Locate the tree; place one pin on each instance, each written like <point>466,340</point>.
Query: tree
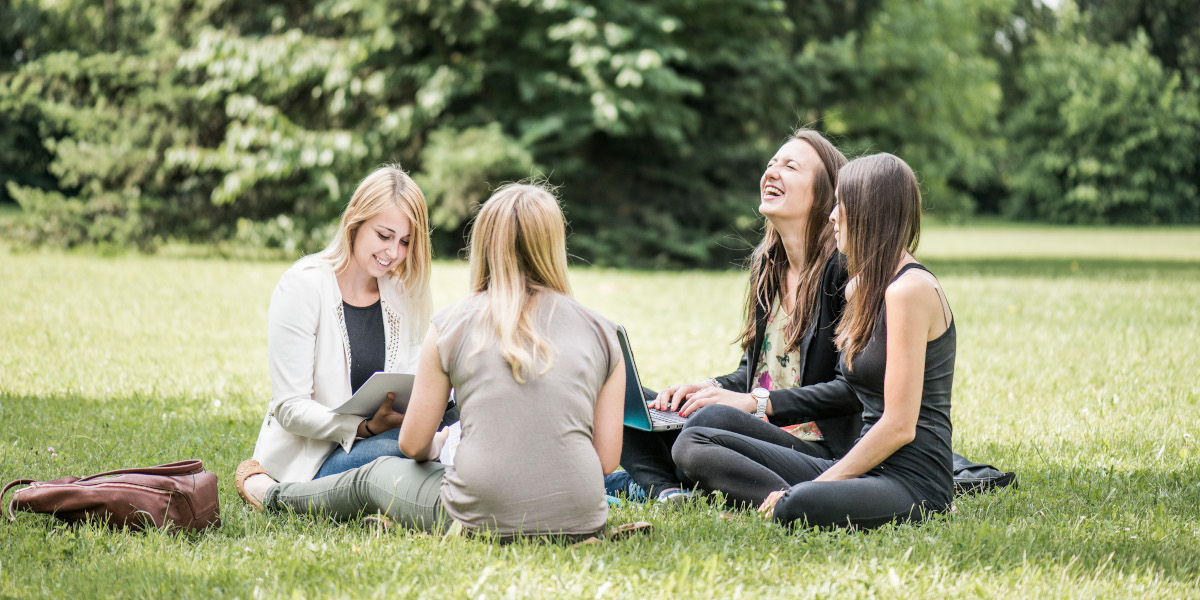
<point>916,81</point>
<point>1104,134</point>
<point>1171,27</point>
<point>200,120</point>
<point>23,160</point>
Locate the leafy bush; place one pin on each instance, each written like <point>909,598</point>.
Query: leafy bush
<point>1104,135</point>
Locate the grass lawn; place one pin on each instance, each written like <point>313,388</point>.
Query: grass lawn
<point>1078,358</point>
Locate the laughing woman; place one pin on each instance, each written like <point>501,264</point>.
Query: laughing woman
<point>336,317</point>
<point>897,349</point>
<point>789,363</point>
<point>540,385</point>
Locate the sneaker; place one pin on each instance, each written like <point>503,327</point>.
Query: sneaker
<point>676,496</point>
<point>621,483</point>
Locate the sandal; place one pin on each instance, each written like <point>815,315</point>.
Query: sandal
<point>629,530</point>
<point>247,469</point>
<point>618,533</point>
<point>379,524</point>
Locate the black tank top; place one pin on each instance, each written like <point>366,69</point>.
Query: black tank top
<point>924,464</point>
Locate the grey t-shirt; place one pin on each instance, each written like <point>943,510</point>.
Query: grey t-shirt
<point>526,464</point>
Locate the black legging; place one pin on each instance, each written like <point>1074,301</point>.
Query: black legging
<point>647,454</point>
<point>743,460</point>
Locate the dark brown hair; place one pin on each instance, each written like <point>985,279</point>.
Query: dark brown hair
<point>881,215</point>
<point>769,263</point>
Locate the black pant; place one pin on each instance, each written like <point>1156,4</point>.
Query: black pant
<point>647,454</point>
<point>647,457</point>
<point>745,460</point>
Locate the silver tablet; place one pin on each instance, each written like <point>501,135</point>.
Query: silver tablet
<point>371,395</point>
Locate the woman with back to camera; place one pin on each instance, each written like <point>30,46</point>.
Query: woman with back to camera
<point>336,317</point>
<point>793,303</point>
<point>539,381</point>
<point>897,342</point>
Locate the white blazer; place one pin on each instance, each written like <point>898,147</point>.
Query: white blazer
<point>309,354</point>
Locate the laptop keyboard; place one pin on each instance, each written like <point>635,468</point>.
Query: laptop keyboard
<point>662,416</point>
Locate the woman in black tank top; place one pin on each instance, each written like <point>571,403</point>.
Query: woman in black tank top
<point>897,347</point>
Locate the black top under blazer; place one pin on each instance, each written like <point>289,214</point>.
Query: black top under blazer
<point>824,396</point>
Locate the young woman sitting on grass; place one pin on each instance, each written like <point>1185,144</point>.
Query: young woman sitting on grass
<point>897,343</point>
<point>794,301</point>
<point>539,381</point>
<point>336,317</point>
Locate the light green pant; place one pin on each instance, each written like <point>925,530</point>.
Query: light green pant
<point>404,490</point>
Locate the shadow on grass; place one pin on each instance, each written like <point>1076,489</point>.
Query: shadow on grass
<point>1063,267</point>
<point>1090,518</point>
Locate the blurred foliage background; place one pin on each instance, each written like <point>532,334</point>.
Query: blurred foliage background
<point>131,123</point>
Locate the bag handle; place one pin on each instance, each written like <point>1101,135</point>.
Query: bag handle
<point>11,516</point>
<point>182,467</point>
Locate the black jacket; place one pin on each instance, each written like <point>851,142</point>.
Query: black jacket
<point>825,397</point>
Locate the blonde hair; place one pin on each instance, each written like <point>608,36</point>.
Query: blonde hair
<point>518,249</point>
<point>385,187</point>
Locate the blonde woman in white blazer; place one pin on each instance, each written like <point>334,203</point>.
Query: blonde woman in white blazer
<point>361,305</point>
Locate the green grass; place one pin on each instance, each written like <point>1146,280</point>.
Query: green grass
<point>1077,367</point>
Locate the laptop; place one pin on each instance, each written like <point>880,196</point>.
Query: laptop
<point>637,414</point>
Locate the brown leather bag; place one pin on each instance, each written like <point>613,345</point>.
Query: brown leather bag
<point>180,495</point>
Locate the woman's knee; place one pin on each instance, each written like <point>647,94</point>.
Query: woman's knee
<point>689,446</point>
<point>713,415</point>
<point>382,468</point>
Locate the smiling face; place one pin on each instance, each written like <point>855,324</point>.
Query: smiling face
<point>381,242</point>
<point>786,187</point>
<point>838,217</point>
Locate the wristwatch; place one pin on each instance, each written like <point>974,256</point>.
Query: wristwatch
<point>760,395</point>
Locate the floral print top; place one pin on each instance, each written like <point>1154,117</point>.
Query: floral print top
<point>779,370</point>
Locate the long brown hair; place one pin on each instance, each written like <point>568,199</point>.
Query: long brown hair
<point>881,214</point>
<point>518,248</point>
<point>769,263</point>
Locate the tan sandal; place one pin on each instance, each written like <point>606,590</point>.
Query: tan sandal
<point>246,470</point>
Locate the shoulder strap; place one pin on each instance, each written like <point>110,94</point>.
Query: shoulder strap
<point>938,287</point>
<point>182,467</point>
<point>905,269</point>
<point>11,515</point>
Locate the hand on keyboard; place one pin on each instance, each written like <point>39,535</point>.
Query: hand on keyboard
<point>663,416</point>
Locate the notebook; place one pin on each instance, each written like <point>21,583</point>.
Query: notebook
<point>638,414</point>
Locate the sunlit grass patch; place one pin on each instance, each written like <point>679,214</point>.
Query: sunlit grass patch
<point>1082,378</point>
